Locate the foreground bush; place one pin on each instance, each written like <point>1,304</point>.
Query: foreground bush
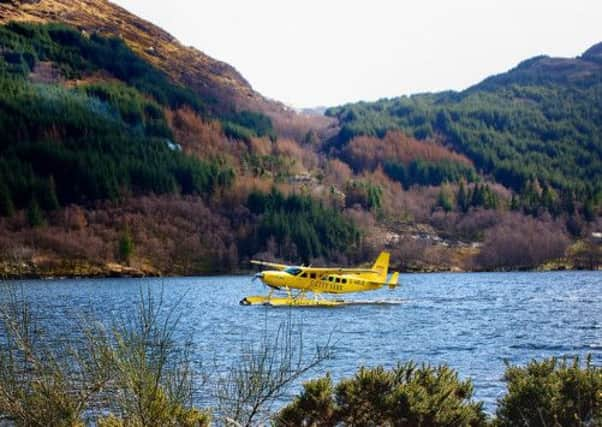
<point>404,396</point>
<point>133,371</point>
<point>552,393</point>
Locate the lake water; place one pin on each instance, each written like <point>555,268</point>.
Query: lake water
<point>473,322</point>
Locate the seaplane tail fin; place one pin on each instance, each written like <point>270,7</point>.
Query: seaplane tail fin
<point>393,280</point>
<point>381,266</point>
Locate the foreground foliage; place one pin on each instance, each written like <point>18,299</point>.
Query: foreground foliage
<point>136,371</point>
<point>407,395</point>
<point>133,370</point>
<point>552,392</point>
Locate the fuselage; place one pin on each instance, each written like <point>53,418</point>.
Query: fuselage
<point>298,278</point>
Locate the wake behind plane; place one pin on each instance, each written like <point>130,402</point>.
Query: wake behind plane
<point>297,281</point>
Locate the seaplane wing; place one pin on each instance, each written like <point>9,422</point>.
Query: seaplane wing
<point>273,265</point>
<point>317,270</point>
<point>337,270</point>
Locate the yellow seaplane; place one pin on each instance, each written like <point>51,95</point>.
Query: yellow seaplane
<point>318,281</point>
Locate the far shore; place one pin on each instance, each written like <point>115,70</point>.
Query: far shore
<point>83,270</point>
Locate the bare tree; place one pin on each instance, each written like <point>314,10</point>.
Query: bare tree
<point>263,374</point>
<point>154,378</point>
<point>136,371</point>
<point>43,382</point>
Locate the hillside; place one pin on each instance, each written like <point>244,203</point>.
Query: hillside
<point>87,122</point>
<point>533,133</point>
<point>541,121</point>
<point>219,84</point>
<point>124,152</point>
<point>212,79</point>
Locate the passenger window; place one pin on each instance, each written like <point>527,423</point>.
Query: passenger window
<point>330,278</point>
<point>344,281</point>
<point>312,275</point>
<point>338,280</point>
<point>304,275</point>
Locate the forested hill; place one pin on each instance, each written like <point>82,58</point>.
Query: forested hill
<point>106,157</point>
<point>539,121</point>
<point>124,152</point>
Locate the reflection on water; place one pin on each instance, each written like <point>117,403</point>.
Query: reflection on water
<point>473,322</point>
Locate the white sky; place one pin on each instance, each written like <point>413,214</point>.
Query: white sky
<point>327,52</point>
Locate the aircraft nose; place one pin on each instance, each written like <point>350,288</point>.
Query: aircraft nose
<point>271,278</point>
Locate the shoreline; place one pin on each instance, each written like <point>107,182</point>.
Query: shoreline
<point>80,270</point>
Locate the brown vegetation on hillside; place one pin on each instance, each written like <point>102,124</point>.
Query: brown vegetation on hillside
<point>310,129</point>
<point>176,235</point>
<point>519,241</point>
<point>201,137</point>
<point>211,79</point>
<point>365,152</point>
<point>401,193</point>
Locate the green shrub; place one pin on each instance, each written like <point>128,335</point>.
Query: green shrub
<point>35,216</point>
<point>404,396</point>
<point>364,193</point>
<point>552,392</point>
<point>126,246</point>
<point>315,406</point>
<point>7,208</point>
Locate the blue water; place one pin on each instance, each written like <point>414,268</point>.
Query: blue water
<point>473,322</point>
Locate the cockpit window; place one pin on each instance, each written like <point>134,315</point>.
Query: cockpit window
<point>293,271</point>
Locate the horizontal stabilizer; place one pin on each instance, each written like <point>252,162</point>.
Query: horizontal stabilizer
<point>393,280</point>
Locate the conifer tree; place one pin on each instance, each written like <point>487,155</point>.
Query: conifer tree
<point>126,246</point>
<point>35,216</point>
<point>462,197</point>
<point>7,208</point>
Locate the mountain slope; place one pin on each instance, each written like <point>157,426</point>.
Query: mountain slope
<point>87,122</point>
<point>539,121</point>
<point>213,80</point>
<point>581,71</point>
<point>119,145</point>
